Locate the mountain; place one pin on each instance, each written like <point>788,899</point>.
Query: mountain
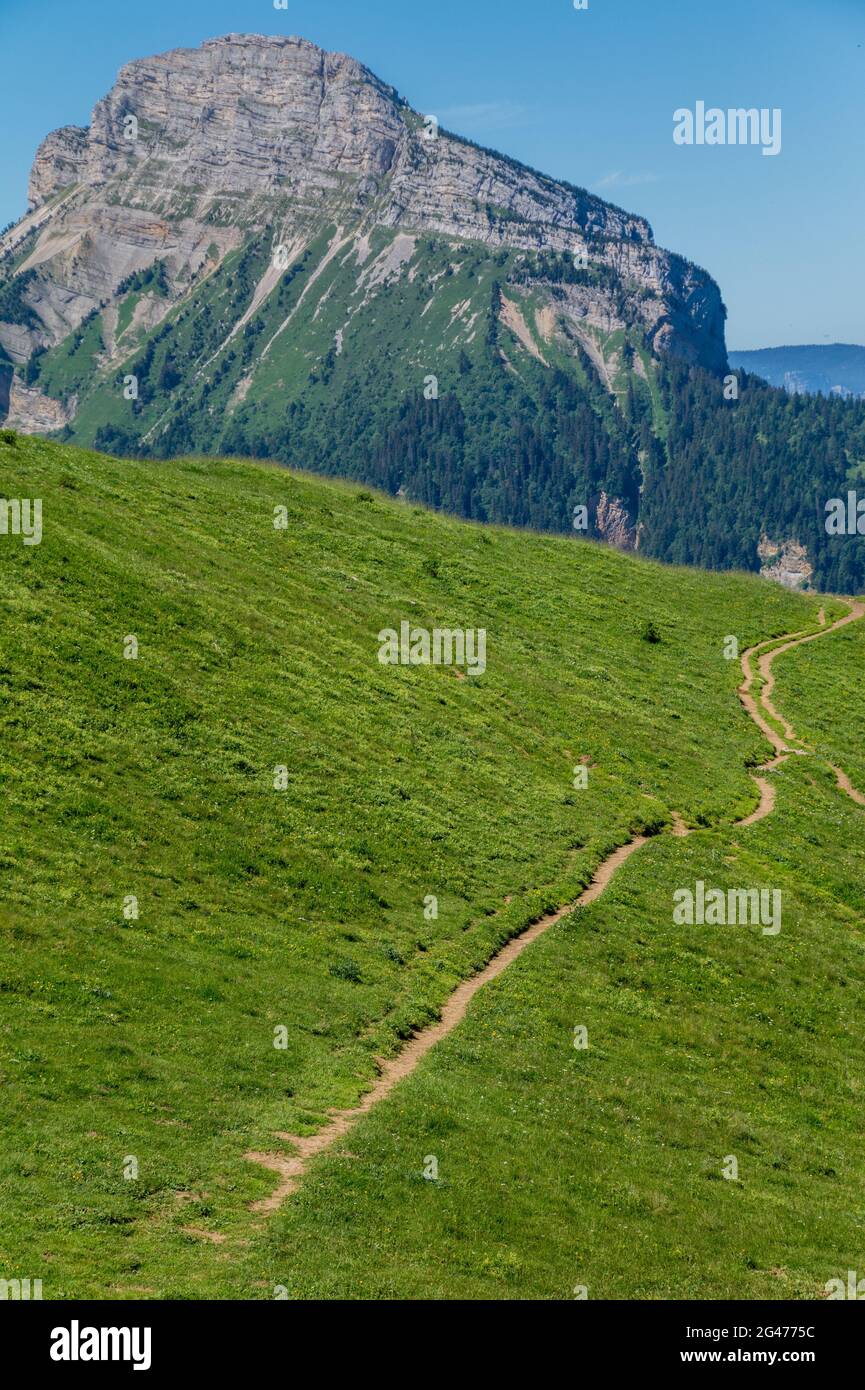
<point>224,838</point>
<point>258,248</point>
<point>837,369</point>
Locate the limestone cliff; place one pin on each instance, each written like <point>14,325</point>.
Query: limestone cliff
<point>201,146</point>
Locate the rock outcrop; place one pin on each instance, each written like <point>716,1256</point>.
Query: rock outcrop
<point>614,523</point>
<point>32,412</point>
<point>60,161</point>
<point>786,562</point>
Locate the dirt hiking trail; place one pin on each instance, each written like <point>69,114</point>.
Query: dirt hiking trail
<point>758,712</point>
<point>290,1168</point>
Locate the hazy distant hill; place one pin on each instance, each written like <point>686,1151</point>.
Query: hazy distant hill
<point>837,369</point>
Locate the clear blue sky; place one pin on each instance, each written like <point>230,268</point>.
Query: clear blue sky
<point>587,96</point>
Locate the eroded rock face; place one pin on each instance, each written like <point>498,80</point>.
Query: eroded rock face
<point>241,114</point>
<point>246,132</point>
<point>786,562</point>
<point>18,341</point>
<point>60,160</point>
<point>614,523</point>
<point>31,412</point>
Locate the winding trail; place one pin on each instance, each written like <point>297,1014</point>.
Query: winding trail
<point>758,712</point>
<point>290,1168</point>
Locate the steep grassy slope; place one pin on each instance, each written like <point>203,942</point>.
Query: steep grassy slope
<point>604,1168</point>
<point>417,364</point>
<point>151,1037</point>
<point>826,690</point>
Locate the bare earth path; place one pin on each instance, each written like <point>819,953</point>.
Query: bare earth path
<point>291,1167</point>
<point>781,743</point>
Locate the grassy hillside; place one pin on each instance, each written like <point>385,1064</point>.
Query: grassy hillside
<point>604,1168</point>
<point>150,1037</point>
<point>823,685</point>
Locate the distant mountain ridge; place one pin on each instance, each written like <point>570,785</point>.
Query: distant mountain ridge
<point>828,369</point>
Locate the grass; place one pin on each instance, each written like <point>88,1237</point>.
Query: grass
<point>151,1036</point>
<point>62,372</point>
<point>822,684</point>
<point>126,311</point>
<point>603,1168</point>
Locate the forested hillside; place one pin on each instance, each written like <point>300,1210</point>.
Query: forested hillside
<point>455,386</point>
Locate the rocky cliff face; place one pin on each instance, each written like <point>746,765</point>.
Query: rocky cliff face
<point>32,412</point>
<point>614,524</point>
<point>60,161</point>
<point>203,145</point>
<point>786,562</point>
<point>241,114</point>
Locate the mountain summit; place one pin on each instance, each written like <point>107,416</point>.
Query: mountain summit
<point>201,146</point>
<point>257,247</point>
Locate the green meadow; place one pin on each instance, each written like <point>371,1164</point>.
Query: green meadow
<point>603,1169</point>
<point>234,835</point>
<point>820,689</point>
